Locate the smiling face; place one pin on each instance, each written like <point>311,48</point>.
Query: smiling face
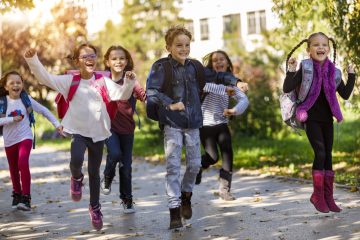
<point>180,48</point>
<point>86,62</point>
<point>219,62</point>
<point>117,61</point>
<point>318,48</point>
<point>14,85</point>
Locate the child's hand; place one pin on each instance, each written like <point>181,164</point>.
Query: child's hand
<point>18,118</point>
<point>30,53</point>
<point>179,106</point>
<point>230,91</point>
<point>229,112</point>
<point>292,64</point>
<point>350,69</point>
<point>244,87</point>
<point>60,130</point>
<point>130,75</point>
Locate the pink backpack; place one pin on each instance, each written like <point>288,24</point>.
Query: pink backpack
<point>63,104</point>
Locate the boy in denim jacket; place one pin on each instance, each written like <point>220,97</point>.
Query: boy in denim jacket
<point>180,114</point>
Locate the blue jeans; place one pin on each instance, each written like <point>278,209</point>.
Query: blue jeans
<point>174,140</point>
<point>119,148</point>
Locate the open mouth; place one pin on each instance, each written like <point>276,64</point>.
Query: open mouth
<point>16,90</point>
<point>320,53</point>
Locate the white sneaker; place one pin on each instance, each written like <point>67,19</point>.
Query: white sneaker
<point>105,185</point>
<point>128,206</point>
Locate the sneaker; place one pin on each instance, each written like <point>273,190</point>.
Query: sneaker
<point>96,217</point>
<point>128,205</point>
<point>25,203</point>
<point>186,211</point>
<point>106,185</point>
<point>76,188</point>
<point>198,177</point>
<point>16,199</point>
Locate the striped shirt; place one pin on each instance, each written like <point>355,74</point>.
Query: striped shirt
<point>214,105</point>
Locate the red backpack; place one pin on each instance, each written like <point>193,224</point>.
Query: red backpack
<point>63,104</point>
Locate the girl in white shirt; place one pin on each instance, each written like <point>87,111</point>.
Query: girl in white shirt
<point>86,119</point>
<point>18,136</point>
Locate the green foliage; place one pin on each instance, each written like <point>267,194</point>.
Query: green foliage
<point>339,19</point>
<point>142,30</point>
<point>8,5</point>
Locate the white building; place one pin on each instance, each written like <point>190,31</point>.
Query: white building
<point>214,24</point>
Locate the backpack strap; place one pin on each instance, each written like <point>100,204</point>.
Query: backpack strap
<point>307,78</point>
<point>73,87</point>
<point>338,78</point>
<point>200,74</point>
<point>3,106</point>
<point>168,76</point>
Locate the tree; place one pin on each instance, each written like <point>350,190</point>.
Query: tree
<point>53,41</point>
<point>337,18</point>
<point>8,5</point>
<point>142,30</point>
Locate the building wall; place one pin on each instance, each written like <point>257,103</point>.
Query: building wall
<point>214,11</point>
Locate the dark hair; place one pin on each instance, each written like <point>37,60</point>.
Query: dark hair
<point>207,60</point>
<point>4,79</point>
<point>174,31</point>
<point>76,52</point>
<point>308,42</point>
<point>130,64</point>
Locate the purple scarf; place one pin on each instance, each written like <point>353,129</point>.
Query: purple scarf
<point>323,76</point>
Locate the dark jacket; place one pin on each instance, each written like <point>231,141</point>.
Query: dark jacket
<point>185,89</point>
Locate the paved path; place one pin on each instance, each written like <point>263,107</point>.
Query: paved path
<point>266,208</point>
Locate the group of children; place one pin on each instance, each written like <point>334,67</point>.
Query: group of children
<point>192,109</point>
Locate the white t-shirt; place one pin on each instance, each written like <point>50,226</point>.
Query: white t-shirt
<point>15,132</point>
<point>87,114</point>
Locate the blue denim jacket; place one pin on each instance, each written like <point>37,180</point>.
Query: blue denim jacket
<point>185,89</point>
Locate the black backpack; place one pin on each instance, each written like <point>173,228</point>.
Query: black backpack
<point>152,108</point>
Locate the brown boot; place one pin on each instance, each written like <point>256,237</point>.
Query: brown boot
<point>175,219</point>
<point>225,186</point>
<point>186,211</point>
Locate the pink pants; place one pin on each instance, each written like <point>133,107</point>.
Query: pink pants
<point>18,159</point>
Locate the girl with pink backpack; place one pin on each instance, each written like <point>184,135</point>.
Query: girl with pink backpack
<point>86,119</point>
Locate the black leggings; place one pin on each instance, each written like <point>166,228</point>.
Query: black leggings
<point>211,137</point>
<point>79,144</point>
<point>321,138</point>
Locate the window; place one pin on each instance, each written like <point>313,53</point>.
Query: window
<point>232,26</point>
<point>262,21</point>
<point>204,29</point>
<point>251,22</point>
<point>189,25</point>
<point>256,22</point>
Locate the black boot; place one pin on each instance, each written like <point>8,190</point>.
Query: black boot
<point>198,177</point>
<point>225,185</point>
<point>186,211</point>
<point>175,219</point>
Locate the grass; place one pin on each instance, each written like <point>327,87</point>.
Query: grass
<point>289,155</point>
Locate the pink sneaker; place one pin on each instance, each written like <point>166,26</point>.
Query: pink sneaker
<point>76,188</point>
<point>96,217</point>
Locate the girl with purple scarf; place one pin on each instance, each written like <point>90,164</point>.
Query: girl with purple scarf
<point>317,112</point>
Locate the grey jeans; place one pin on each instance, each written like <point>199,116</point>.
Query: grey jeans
<point>174,139</point>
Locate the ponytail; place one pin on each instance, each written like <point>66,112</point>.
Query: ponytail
<point>293,50</point>
<point>334,46</point>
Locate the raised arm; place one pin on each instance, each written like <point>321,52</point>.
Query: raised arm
<point>59,83</point>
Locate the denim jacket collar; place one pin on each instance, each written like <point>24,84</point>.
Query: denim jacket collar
<point>176,63</point>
